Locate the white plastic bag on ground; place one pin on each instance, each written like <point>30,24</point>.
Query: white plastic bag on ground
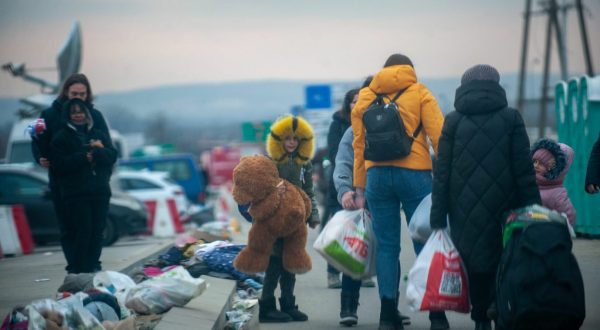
<point>157,295</point>
<point>348,243</point>
<point>117,284</point>
<point>438,279</point>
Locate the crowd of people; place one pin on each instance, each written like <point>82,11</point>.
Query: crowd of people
<point>482,166</point>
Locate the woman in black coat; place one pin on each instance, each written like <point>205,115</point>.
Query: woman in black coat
<point>82,159</point>
<point>483,169</point>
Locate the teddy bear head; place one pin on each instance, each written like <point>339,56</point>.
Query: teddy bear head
<point>254,178</point>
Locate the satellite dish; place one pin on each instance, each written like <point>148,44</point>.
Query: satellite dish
<point>69,55</point>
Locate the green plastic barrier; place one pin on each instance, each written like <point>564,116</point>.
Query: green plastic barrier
<point>575,140</point>
<point>563,117</point>
<point>588,218</point>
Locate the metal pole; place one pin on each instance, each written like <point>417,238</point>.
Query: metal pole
<point>523,68</point>
<point>562,53</point>
<point>584,39</point>
<point>544,101</point>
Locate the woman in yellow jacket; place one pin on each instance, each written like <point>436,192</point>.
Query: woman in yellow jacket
<point>390,185</point>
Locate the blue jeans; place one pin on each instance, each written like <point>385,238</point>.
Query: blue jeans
<point>388,189</point>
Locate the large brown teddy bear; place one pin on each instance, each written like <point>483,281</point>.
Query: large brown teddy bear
<point>277,212</point>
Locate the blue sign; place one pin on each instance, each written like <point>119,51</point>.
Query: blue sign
<point>318,96</point>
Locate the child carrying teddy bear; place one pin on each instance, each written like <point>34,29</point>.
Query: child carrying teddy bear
<point>291,146</point>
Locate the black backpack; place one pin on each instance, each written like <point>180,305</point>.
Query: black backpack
<point>539,284</point>
<point>386,137</point>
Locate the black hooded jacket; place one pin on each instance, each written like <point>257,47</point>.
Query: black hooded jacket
<point>76,176</point>
<point>337,128</point>
<point>482,170</point>
<point>54,123</point>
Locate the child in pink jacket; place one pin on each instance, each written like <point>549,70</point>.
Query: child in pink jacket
<point>551,161</point>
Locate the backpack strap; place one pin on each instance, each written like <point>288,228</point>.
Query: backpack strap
<point>418,130</point>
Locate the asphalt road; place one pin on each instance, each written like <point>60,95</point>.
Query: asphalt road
<point>322,304</point>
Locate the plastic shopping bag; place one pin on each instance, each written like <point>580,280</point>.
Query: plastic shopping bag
<point>157,295</point>
<point>348,243</point>
<point>438,279</point>
<point>419,226</point>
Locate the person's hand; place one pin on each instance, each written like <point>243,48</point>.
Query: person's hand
<point>359,198</point>
<point>592,188</point>
<point>348,200</point>
<point>44,162</point>
<point>89,156</point>
<point>96,144</point>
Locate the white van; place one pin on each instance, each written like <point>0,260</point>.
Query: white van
<point>18,149</point>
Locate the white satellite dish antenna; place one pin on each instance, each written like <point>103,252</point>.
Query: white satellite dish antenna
<point>68,60</point>
<point>67,63</point>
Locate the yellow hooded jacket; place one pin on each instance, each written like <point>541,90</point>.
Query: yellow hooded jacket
<point>295,167</point>
<point>416,105</point>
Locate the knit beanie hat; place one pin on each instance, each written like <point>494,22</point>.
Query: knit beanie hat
<point>544,156</point>
<point>480,72</point>
<point>398,59</point>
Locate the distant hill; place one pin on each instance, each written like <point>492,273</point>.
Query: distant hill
<point>220,103</point>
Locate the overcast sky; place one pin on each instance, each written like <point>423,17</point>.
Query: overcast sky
<point>135,44</point>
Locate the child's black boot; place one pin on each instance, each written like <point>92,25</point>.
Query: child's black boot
<point>268,313</point>
<point>349,302</point>
<point>288,306</point>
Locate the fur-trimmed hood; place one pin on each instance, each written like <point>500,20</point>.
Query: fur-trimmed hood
<point>296,126</point>
<point>563,155</point>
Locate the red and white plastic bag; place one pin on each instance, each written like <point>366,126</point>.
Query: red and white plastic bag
<point>438,279</point>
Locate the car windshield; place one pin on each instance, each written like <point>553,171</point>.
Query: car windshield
<point>21,152</point>
<point>178,169</point>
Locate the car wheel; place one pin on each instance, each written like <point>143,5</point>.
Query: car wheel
<point>111,234</point>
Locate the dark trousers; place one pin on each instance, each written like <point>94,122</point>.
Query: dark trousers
<point>350,285</point>
<point>277,274</point>
<point>481,292</point>
<point>60,211</point>
<point>84,225</point>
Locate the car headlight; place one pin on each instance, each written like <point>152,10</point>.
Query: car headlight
<point>131,204</point>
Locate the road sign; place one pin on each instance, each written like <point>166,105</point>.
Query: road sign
<point>317,96</point>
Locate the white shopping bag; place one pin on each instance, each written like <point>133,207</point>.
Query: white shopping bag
<point>438,279</point>
<point>419,226</point>
<point>348,243</point>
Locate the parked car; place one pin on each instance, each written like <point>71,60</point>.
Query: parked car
<point>151,186</point>
<point>181,168</point>
<point>23,184</point>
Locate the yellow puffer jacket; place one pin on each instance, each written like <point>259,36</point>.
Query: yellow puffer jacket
<point>415,105</point>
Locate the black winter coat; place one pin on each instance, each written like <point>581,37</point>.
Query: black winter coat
<point>54,123</point>
<point>482,170</point>
<point>337,128</point>
<point>76,176</point>
<point>593,169</point>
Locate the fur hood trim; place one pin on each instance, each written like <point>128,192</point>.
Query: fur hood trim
<point>558,153</point>
<point>291,126</point>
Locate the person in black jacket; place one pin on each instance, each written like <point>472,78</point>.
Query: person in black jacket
<point>592,177</point>
<point>82,160</point>
<point>76,86</point>
<point>482,170</point>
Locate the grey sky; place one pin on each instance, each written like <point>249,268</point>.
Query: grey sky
<point>136,44</point>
